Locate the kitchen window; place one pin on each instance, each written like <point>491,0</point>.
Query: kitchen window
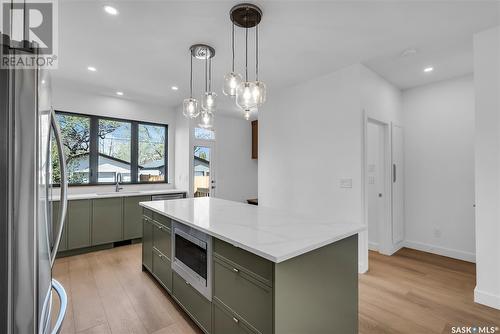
<point>99,148</point>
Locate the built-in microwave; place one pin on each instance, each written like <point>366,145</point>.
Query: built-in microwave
<point>192,254</point>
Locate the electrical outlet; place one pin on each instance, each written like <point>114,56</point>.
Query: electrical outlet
<point>346,183</point>
<point>437,232</point>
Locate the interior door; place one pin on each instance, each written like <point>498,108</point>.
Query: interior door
<point>203,176</point>
<point>397,184</point>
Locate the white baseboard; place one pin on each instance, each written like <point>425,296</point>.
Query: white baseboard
<point>373,246</point>
<point>453,253</point>
<point>486,298</point>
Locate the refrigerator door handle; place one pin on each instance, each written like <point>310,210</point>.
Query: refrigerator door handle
<point>63,298</point>
<point>64,186</point>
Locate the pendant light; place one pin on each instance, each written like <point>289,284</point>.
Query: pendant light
<point>208,100</point>
<point>249,94</point>
<point>231,79</point>
<point>191,107</point>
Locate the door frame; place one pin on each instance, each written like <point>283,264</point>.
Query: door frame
<point>385,246</point>
<point>212,184</point>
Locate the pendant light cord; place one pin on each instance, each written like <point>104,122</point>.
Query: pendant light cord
<point>246,54</point>
<point>191,77</point>
<point>257,53</point>
<point>232,46</point>
<point>210,75</point>
<point>206,69</point>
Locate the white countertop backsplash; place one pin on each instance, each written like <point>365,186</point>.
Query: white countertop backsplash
<point>276,235</point>
<point>108,191</point>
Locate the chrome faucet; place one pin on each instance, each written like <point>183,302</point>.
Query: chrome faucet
<point>119,179</point>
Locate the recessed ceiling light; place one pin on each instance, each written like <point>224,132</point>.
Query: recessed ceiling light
<point>91,68</point>
<point>175,88</point>
<point>119,93</point>
<point>111,10</point>
<point>43,82</point>
<point>428,69</point>
<point>409,52</point>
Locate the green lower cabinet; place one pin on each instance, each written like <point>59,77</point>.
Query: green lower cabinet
<point>226,322</point>
<point>162,239</point>
<point>162,269</point>
<point>63,245</point>
<point>107,224</point>
<point>147,243</point>
<point>196,305</point>
<point>246,296</point>
<point>132,217</point>
<point>79,224</point>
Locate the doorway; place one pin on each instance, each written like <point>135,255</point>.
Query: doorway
<point>376,171</point>
<point>384,192</point>
<point>203,167</point>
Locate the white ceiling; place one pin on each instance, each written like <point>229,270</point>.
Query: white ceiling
<point>144,50</point>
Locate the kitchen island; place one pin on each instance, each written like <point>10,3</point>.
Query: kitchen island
<point>269,271</point>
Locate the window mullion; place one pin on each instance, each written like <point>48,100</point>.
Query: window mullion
<point>94,149</point>
<point>134,147</point>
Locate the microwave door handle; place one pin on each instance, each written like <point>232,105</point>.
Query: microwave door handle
<point>63,298</point>
<point>64,186</point>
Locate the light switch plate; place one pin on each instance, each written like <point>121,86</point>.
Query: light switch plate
<point>346,183</point>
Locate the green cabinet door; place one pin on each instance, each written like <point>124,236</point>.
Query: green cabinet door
<point>147,243</point>
<point>107,223</point>
<point>79,223</point>
<point>132,216</point>
<point>63,245</point>
<point>196,305</point>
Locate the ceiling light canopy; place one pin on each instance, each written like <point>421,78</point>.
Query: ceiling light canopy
<point>428,69</point>
<point>175,88</point>
<point>91,68</point>
<point>191,107</point>
<point>250,95</point>
<point>111,10</point>
<point>119,93</point>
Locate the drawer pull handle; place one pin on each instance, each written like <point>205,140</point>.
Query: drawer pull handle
<point>187,283</point>
<point>235,320</point>
<point>236,270</point>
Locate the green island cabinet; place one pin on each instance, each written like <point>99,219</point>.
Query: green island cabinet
<point>97,223</point>
<point>252,295</point>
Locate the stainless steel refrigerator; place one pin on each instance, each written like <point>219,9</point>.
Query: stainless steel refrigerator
<point>28,243</point>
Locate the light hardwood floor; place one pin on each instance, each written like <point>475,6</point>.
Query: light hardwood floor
<point>410,292</point>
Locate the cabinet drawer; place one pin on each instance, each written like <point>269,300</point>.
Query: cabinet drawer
<point>165,221</point>
<point>162,239</point>
<point>147,213</point>
<point>226,322</point>
<point>162,270</point>
<point>257,265</point>
<point>248,297</point>
<point>197,306</point>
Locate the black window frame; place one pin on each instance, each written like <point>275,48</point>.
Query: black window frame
<point>134,149</point>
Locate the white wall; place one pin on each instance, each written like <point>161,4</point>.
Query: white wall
<point>439,166</point>
<point>487,163</point>
<point>73,97</point>
<point>311,136</point>
<point>236,172</point>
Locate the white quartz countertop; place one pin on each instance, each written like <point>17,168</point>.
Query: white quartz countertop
<point>122,193</point>
<point>272,234</point>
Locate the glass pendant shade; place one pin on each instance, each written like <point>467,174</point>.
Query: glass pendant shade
<point>259,93</point>
<point>231,82</point>
<point>190,108</point>
<point>208,101</point>
<point>244,95</point>
<point>206,120</point>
